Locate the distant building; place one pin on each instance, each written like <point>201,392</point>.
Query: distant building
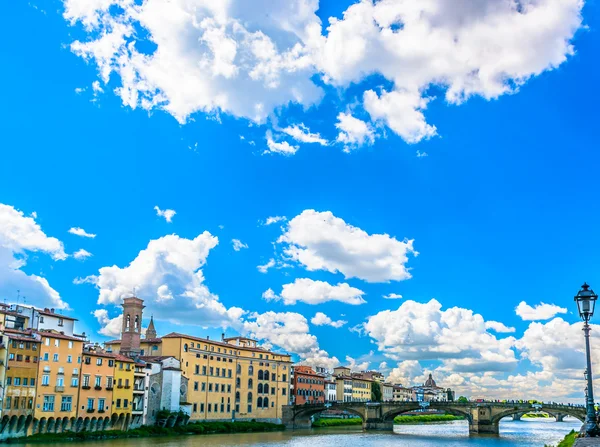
<point>309,386</point>
<point>402,394</point>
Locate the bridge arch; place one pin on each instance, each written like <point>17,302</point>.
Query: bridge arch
<point>390,415</point>
<point>551,411</point>
<point>303,413</point>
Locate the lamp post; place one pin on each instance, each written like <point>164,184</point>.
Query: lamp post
<point>586,301</point>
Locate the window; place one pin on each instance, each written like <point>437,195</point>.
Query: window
<point>284,378</point>
<point>185,348</point>
<point>41,319</point>
<point>45,380</point>
<point>99,361</point>
<point>25,380</point>
<point>55,358</point>
<point>266,402</point>
<point>90,404</point>
<point>250,370</point>
<point>259,402</point>
<point>211,371</point>
<point>60,322</point>
<point>283,391</point>
<point>118,403</point>
<point>66,403</point>
<point>203,386</point>
<point>101,404</point>
<point>111,363</point>
<point>125,403</point>
<point>250,383</point>
<point>86,380</point>
<point>201,408</point>
<point>70,345</point>
<point>60,381</point>
<point>109,382</point>
<point>237,382</point>
<point>69,359</point>
<point>98,381</point>
<point>204,370</point>
<point>210,387</point>
<point>17,381</point>
<point>8,402</point>
<point>46,340</point>
<point>46,356</point>
<point>56,342</point>
<point>16,403</point>
<point>32,382</point>
<point>75,381</point>
<point>48,403</point>
<point>11,356</point>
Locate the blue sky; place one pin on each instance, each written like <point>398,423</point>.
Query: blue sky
<point>502,209</point>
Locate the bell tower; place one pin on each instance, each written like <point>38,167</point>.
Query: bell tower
<point>132,326</point>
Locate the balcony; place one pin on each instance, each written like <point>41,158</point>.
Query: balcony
<point>138,389</point>
<point>109,388</point>
<point>85,387</point>
<point>127,387</point>
<point>90,410</point>
<point>97,388</point>
<point>59,389</point>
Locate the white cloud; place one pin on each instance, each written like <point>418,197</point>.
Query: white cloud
<point>422,154</point>
<point>283,147</point>
<point>167,214</point>
<point>20,236</point>
<point>274,219</point>
<point>300,132</point>
<point>402,112</point>
<point>405,373</point>
<point>81,232</point>
<point>320,319</point>
<point>540,311</point>
<point>392,296</point>
<point>498,327</point>
<point>458,337</point>
<point>353,132</point>
<point>110,327</point>
<point>269,295</point>
<point>81,254</point>
<point>168,275</point>
<point>208,52</point>
<point>321,241</point>
<point>238,245</point>
<point>355,365</point>
<point>317,292</point>
<point>265,267</point>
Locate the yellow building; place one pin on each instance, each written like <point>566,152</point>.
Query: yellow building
<point>58,378</point>
<point>96,389</point>
<point>122,396</point>
<point>231,378</point>
<point>361,389</point>
<point>21,377</point>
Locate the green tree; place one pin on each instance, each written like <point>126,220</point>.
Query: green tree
<point>463,399</point>
<point>376,395</point>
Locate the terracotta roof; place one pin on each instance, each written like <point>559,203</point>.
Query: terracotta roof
<point>100,354</point>
<point>220,343</point>
<point>156,358</point>
<point>122,358</point>
<point>54,314</point>
<point>51,334</point>
<point>143,340</point>
<point>14,334</point>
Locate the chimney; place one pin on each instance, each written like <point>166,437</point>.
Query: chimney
<point>222,336</point>
<point>208,337</point>
<point>52,310</point>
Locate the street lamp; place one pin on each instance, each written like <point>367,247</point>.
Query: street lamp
<point>586,301</point>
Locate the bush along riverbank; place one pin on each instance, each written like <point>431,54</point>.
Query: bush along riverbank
<point>336,422</point>
<point>194,428</point>
<point>568,441</point>
<point>426,418</point>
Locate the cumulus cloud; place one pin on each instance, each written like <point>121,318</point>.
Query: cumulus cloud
<point>274,219</point>
<point>357,365</point>
<point>167,214</point>
<point>20,236</point>
<point>81,254</point>
<point>282,147</point>
<point>392,296</point>
<point>540,311</point>
<point>458,337</point>
<point>238,245</point>
<point>168,275</point>
<point>207,52</point>
<point>322,241</point>
<point>77,231</point>
<point>301,133</point>
<point>110,327</point>
<point>405,373</point>
<point>498,327</point>
<point>353,132</point>
<point>316,292</point>
<point>265,267</point>
<point>320,319</point>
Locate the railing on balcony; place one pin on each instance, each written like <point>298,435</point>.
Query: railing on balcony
<point>59,388</point>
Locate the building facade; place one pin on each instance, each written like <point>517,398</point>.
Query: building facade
<point>309,386</point>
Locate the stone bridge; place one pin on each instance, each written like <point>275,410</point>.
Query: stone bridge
<point>483,417</point>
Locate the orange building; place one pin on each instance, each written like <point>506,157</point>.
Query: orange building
<point>308,386</point>
<point>96,389</point>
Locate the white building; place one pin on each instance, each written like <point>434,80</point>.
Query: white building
<point>46,319</point>
<point>330,391</point>
<point>387,392</point>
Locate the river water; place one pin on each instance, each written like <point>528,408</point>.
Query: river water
<point>531,433</point>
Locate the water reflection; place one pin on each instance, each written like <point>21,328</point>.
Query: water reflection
<point>533,433</point>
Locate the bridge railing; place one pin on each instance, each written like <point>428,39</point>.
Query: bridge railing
<point>550,405</point>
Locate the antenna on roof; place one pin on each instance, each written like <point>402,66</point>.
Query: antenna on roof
<point>18,296</point>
